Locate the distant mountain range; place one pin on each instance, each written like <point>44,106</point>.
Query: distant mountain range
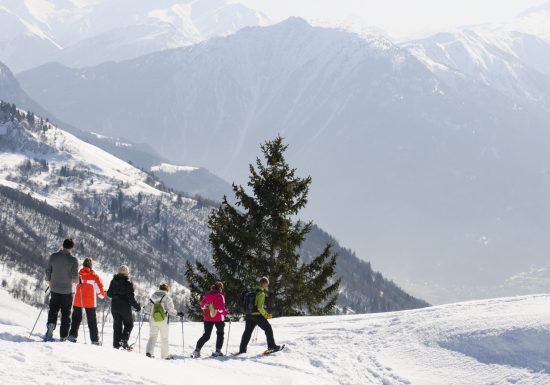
<point>88,32</point>
<point>430,157</point>
<point>431,169</point>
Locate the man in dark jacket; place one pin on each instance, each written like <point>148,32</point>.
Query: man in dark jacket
<point>61,273</point>
<point>121,290</point>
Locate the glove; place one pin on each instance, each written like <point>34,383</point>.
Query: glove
<point>138,308</point>
<point>180,314</point>
<point>269,316</point>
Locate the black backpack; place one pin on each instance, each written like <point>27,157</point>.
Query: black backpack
<point>248,301</point>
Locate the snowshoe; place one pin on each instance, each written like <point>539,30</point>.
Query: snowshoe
<point>237,354</point>
<point>71,339</point>
<point>49,333</point>
<point>124,345</point>
<point>149,355</point>
<point>217,354</point>
<point>196,354</point>
<point>274,350</point>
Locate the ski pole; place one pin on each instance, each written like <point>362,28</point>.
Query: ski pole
<point>39,314</point>
<point>103,321</point>
<point>139,333</point>
<point>138,338</point>
<point>228,335</point>
<point>182,339</point>
<point>255,339</point>
<point>82,310</point>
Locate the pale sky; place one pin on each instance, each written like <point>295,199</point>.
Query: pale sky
<point>399,18</point>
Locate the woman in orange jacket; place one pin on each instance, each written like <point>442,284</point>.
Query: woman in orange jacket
<point>89,286</point>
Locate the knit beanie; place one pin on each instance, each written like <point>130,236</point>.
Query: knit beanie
<point>124,270</point>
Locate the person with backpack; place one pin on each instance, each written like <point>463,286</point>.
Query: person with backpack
<point>121,291</point>
<point>61,274</point>
<point>86,298</point>
<point>256,315</point>
<point>160,307</point>
<point>214,312</point>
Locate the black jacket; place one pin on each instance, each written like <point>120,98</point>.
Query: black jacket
<point>121,290</point>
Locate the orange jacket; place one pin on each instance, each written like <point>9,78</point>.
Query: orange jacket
<point>90,285</point>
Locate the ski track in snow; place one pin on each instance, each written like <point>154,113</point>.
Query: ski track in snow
<point>499,342</point>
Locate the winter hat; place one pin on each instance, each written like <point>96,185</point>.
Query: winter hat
<point>164,287</point>
<point>124,270</point>
<point>88,262</point>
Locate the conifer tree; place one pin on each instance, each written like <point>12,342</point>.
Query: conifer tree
<point>259,236</point>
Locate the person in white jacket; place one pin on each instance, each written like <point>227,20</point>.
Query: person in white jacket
<point>157,324</point>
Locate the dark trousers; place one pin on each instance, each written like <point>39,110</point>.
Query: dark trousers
<point>208,326</point>
<point>251,322</point>
<point>123,323</point>
<point>92,323</point>
<point>64,303</point>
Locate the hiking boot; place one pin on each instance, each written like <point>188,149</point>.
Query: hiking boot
<point>71,338</point>
<point>49,332</point>
<point>170,357</point>
<point>149,355</point>
<point>95,343</point>
<point>217,353</point>
<point>196,354</point>
<point>124,345</point>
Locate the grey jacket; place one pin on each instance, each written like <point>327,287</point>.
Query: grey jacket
<point>167,303</point>
<point>61,272</point>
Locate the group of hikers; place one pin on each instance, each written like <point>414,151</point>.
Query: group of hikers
<point>72,292</point>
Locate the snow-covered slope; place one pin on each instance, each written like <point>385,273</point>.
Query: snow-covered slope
<point>500,342</point>
<point>60,149</point>
<point>81,33</point>
<point>195,180</point>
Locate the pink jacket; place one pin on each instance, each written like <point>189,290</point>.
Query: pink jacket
<point>217,298</point>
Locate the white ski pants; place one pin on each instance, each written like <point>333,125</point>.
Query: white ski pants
<point>154,329</point>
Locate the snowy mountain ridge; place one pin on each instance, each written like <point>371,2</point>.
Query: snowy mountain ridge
<point>497,341</point>
<point>81,33</point>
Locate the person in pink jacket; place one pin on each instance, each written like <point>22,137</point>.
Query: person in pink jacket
<point>213,307</point>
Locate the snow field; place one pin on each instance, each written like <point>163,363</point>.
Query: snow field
<point>499,341</point>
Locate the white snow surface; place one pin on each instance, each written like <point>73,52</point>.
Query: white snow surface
<point>497,341</point>
<point>172,168</point>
